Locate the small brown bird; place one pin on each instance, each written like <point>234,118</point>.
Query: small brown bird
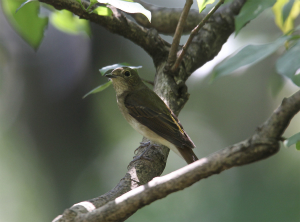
<point>149,115</point>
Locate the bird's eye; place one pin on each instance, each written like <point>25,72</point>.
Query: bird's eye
<point>127,73</point>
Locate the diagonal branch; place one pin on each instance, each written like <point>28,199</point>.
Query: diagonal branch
<point>208,42</point>
<point>192,35</point>
<point>263,144</point>
<point>165,20</point>
<point>176,40</point>
<point>148,39</point>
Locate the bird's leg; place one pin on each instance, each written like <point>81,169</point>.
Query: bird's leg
<point>143,144</point>
<point>141,156</point>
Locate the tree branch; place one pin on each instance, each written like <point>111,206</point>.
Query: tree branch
<point>176,40</point>
<point>148,39</point>
<point>165,20</point>
<point>192,35</point>
<point>210,39</point>
<point>263,144</point>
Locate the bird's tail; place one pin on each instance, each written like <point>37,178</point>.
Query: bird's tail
<point>188,155</point>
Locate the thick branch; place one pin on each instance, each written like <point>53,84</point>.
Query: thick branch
<point>210,39</point>
<point>193,33</point>
<point>207,43</point>
<point>165,20</point>
<point>149,40</point>
<point>263,144</point>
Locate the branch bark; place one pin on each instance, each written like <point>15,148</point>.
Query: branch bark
<point>119,24</point>
<point>193,33</point>
<point>165,20</point>
<point>178,32</point>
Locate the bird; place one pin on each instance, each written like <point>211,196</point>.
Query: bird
<point>147,113</point>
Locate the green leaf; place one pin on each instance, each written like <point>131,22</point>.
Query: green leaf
<point>288,64</point>
<point>92,2</point>
<point>65,21</point>
<point>203,3</point>
<point>294,37</point>
<point>286,10</point>
<point>106,70</point>
<point>250,10</point>
<point>24,3</point>
<point>103,11</point>
<point>79,1</point>
<point>129,7</point>
<point>110,68</point>
<point>98,89</point>
<point>275,84</point>
<point>26,22</point>
<point>248,55</point>
<point>295,139</point>
<point>283,19</point>
<point>298,145</point>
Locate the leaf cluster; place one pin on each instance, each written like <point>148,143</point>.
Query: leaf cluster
<point>30,25</point>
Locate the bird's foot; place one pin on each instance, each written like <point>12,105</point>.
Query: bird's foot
<point>141,156</point>
<point>142,144</point>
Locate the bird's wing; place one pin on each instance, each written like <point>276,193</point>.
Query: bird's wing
<point>152,112</point>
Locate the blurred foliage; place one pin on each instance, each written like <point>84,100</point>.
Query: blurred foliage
<point>293,140</point>
<point>103,11</point>
<point>288,64</point>
<point>31,26</point>
<point>98,89</point>
<point>286,11</point>
<point>250,11</point>
<point>203,3</point>
<point>128,6</point>
<point>26,21</point>
<point>247,56</point>
<point>65,21</point>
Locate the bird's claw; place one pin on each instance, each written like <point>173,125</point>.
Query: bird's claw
<point>141,157</point>
<point>142,144</point>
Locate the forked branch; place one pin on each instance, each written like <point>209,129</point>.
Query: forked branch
<point>193,33</point>
<point>175,43</point>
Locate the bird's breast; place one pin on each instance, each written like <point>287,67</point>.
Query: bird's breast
<point>142,129</point>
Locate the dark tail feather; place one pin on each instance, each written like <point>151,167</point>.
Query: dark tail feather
<point>188,155</point>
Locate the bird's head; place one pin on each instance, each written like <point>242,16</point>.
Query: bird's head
<point>124,79</point>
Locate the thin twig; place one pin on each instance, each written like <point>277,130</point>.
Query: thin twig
<point>193,33</point>
<point>178,33</point>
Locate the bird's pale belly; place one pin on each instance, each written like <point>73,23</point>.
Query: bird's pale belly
<point>149,134</point>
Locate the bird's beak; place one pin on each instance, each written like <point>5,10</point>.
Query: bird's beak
<point>110,75</point>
